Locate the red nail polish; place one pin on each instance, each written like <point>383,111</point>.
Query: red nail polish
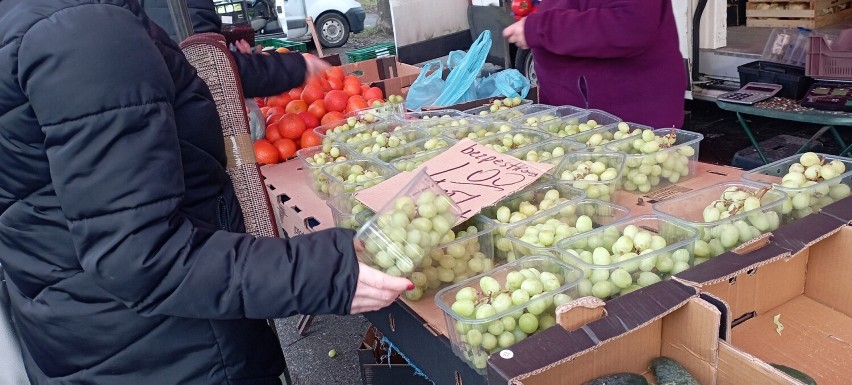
<point>410,286</point>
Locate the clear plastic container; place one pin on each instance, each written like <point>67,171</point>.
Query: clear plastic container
<point>546,117</point>
<point>385,139</point>
<point>787,46</point>
<point>598,174</point>
<point>604,276</point>
<point>314,158</point>
<point>477,331</point>
<point>668,165</point>
<point>419,146</point>
<point>386,111</point>
<point>527,109</point>
<point>598,138</point>
<point>567,121</point>
<point>433,121</point>
<point>411,162</point>
<point>716,236</point>
<point>513,140</point>
<point>488,113</point>
<point>538,235</point>
<point>466,251</point>
<point>477,130</point>
<point>549,151</point>
<point>524,204</point>
<point>351,123</point>
<point>803,201</point>
<point>405,231</point>
<point>353,175</point>
<point>346,211</point>
<point>384,129</point>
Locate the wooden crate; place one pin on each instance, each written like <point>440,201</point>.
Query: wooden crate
<point>817,13</point>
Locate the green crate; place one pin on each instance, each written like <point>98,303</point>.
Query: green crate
<point>371,52</point>
<point>278,43</point>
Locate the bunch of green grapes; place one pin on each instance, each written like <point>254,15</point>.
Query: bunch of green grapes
<point>329,153</point>
<point>373,139</point>
<point>545,155</point>
<point>618,262</point>
<point>596,175</point>
<point>413,148</point>
<point>598,140</point>
<point>350,124</point>
<point>400,239</point>
<point>562,127</point>
<point>351,176</point>
<point>519,208</point>
<point>411,162</point>
<point>477,130</point>
<point>438,124</point>
<point>715,240</point>
<point>492,316</point>
<point>502,105</point>
<point>811,184</point>
<point>461,255</point>
<point>511,140</point>
<point>651,160</point>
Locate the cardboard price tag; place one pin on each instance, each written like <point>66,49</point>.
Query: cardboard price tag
<point>473,175</point>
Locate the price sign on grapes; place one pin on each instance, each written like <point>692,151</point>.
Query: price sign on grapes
<point>473,175</point>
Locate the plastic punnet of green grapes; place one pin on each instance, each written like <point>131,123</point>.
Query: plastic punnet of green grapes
<point>493,311</point>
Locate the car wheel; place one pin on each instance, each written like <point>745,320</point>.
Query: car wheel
<point>333,30</point>
<point>526,65</point>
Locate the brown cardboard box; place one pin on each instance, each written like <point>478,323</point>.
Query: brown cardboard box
<point>298,209</point>
<point>668,319</point>
<point>387,73</point>
<point>791,300</point>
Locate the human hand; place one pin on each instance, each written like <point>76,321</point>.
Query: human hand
<point>244,47</point>
<point>515,34</point>
<point>376,290</point>
<point>314,66</point>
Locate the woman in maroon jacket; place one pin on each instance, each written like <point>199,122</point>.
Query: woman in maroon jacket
<point>626,50</point>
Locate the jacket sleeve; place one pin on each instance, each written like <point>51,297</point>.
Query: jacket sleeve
<point>619,28</point>
<point>268,75</point>
<point>103,96</point>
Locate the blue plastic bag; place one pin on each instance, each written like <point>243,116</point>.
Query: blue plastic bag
<point>465,71</point>
<point>427,87</point>
<point>507,83</point>
<point>453,61</point>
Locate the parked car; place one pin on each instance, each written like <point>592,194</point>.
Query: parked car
<point>335,20</point>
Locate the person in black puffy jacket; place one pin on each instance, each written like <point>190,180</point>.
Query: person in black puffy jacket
<point>120,234</point>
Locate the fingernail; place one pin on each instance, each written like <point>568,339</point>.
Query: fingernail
<point>410,286</point>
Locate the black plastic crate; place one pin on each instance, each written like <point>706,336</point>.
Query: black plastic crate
<point>792,78</point>
<point>775,148</point>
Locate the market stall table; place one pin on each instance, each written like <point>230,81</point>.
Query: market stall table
<point>418,328</point>
<point>772,108</point>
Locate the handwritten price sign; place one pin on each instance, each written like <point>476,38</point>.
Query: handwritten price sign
<point>473,175</point>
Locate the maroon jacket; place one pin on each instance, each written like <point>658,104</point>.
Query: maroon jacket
<point>627,50</point>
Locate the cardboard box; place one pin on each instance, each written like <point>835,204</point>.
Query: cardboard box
<point>791,300</point>
<point>667,319</point>
<point>386,73</point>
<point>382,367</point>
<point>298,210</point>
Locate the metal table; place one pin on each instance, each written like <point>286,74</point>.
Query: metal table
<point>829,119</point>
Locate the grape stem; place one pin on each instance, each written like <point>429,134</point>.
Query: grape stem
<point>760,193</point>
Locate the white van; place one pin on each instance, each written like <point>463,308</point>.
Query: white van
<point>334,19</point>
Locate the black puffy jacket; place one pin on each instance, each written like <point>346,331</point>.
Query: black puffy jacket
<point>115,209</point>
